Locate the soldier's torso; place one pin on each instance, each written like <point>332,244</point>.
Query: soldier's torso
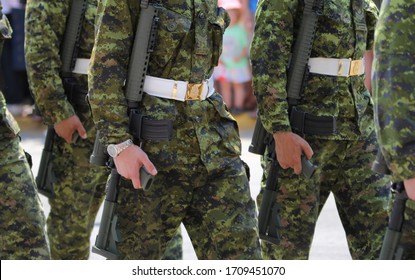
<point>342,32</point>
<point>189,39</point>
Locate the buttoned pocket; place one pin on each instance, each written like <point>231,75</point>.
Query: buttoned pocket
<point>218,24</point>
<point>173,28</point>
<point>337,11</point>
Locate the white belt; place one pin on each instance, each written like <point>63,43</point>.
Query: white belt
<point>343,67</point>
<point>81,66</point>
<point>178,90</point>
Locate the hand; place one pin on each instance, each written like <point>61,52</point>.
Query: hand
<point>410,188</point>
<point>289,147</point>
<point>67,127</point>
<point>129,162</point>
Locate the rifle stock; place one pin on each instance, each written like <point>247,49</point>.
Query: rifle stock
<point>391,248</point>
<point>108,236</point>
<point>45,177</point>
<point>268,216</point>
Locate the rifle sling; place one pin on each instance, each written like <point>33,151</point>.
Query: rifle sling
<point>70,44</point>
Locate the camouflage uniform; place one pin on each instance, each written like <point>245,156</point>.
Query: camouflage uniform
<point>201,180</point>
<point>22,222</point>
<point>393,92</point>
<point>79,187</point>
<point>344,30</point>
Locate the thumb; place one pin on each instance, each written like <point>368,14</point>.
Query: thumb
<point>308,152</point>
<point>148,165</point>
<point>81,131</point>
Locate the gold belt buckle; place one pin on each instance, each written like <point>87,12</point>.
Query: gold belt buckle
<point>355,66</point>
<point>194,91</point>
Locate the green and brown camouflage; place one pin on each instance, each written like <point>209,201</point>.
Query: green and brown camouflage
<point>79,187</point>
<point>5,29</point>
<point>201,180</point>
<point>22,221</point>
<point>394,99</point>
<point>344,30</point>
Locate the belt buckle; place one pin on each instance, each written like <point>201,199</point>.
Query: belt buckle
<point>194,91</point>
<point>355,66</point>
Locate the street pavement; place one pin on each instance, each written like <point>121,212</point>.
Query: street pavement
<point>329,241</point>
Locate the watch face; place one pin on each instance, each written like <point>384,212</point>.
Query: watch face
<point>112,150</point>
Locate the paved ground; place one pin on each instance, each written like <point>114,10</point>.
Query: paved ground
<point>329,241</point>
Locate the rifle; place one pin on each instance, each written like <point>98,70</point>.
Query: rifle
<point>391,249</point>
<point>108,236</point>
<point>70,45</point>
<point>45,177</point>
<point>268,217</point>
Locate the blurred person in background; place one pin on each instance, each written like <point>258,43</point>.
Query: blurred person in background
<point>234,70</point>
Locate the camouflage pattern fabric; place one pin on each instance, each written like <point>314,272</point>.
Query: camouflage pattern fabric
<point>359,193</point>
<point>79,186</point>
<point>22,222</point>
<point>344,30</point>
<point>394,98</point>
<point>201,180</point>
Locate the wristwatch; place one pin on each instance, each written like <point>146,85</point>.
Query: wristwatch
<point>115,149</point>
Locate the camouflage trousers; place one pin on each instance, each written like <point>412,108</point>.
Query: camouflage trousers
<point>361,196</point>
<point>201,182</point>
<point>22,222</point>
<point>79,188</point>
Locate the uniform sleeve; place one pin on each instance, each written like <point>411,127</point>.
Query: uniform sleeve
<point>270,50</point>
<point>394,96</point>
<point>371,20</point>
<point>44,30</point>
<point>108,71</point>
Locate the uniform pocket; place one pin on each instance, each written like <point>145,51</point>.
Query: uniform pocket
<point>172,31</point>
<point>335,11</point>
<point>226,126</point>
<point>218,24</point>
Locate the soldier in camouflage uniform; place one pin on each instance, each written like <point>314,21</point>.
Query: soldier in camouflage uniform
<point>79,186</point>
<point>22,222</point>
<point>334,91</point>
<point>394,98</point>
<point>201,180</point>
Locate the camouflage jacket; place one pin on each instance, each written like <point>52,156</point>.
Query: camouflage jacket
<point>188,45</point>
<point>344,30</point>
<point>8,125</point>
<point>44,32</point>
<point>5,29</point>
<point>393,86</point>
